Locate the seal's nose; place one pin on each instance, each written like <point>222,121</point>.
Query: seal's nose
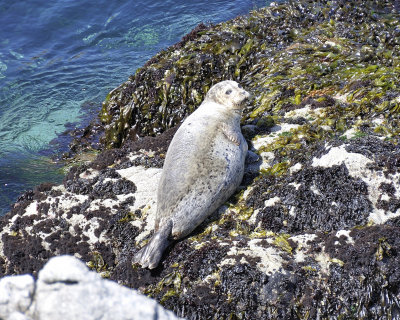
<point>246,94</point>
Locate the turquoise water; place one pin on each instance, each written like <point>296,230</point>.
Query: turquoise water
<point>59,59</point>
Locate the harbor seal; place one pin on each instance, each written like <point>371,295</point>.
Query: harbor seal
<point>203,167</point>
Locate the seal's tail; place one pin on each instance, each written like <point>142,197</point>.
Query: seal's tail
<point>150,255</point>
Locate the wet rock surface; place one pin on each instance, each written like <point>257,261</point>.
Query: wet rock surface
<point>313,231</point>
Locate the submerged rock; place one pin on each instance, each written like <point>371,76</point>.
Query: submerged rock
<point>313,232</point>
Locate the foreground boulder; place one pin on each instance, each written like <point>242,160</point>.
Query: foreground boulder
<point>314,230</point>
<point>66,289</point>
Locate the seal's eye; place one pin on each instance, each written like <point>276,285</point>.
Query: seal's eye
<point>239,86</point>
<point>229,91</point>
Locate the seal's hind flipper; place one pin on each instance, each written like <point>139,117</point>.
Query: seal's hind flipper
<point>150,255</point>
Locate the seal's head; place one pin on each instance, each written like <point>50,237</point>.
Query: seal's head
<point>228,93</point>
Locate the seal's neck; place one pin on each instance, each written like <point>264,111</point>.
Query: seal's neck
<point>219,110</point>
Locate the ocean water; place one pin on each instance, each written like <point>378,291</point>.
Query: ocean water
<point>60,58</point>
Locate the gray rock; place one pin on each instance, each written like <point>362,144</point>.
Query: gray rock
<point>66,289</point>
<point>18,316</point>
<point>15,295</point>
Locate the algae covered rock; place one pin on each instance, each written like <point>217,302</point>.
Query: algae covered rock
<point>287,55</point>
<point>314,230</point>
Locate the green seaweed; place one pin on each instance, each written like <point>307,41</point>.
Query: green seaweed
<point>98,264</point>
<point>170,284</point>
<point>281,242</point>
<point>339,61</point>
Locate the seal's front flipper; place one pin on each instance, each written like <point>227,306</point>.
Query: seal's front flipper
<point>150,255</point>
<point>230,134</point>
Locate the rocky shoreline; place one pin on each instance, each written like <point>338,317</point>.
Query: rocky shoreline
<point>313,232</point>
